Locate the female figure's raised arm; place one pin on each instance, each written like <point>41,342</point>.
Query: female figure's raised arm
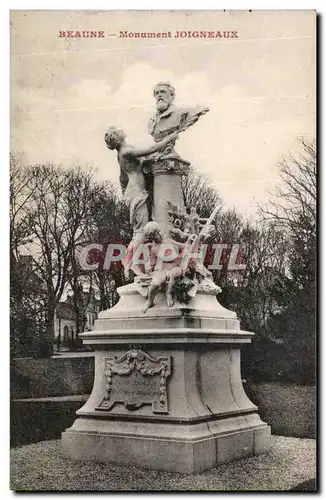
<point>136,152</point>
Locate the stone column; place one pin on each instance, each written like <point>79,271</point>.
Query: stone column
<point>167,187</point>
<point>167,174</point>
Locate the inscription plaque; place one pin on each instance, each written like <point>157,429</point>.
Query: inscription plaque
<point>136,379</point>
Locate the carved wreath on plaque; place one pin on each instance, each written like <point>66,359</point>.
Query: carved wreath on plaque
<point>136,379</point>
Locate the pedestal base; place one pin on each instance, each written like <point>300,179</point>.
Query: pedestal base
<point>167,391</point>
<point>174,448</point>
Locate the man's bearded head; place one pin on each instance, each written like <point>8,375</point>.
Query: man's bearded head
<point>164,95</point>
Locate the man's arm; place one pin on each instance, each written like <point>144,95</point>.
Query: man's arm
<point>190,117</point>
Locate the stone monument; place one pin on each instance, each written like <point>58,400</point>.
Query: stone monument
<point>167,390</point>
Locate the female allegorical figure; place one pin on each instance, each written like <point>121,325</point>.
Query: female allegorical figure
<point>132,182</point>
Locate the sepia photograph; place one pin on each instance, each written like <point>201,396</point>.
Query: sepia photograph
<point>163,209</point>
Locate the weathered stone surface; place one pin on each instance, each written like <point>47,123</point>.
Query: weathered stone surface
<point>202,320</point>
<point>262,440</point>
<point>234,446</point>
<point>167,187</point>
<point>162,454</point>
<point>177,448</point>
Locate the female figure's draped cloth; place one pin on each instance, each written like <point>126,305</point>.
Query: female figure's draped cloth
<point>135,195</point>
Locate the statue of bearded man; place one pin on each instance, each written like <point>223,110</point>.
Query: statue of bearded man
<point>165,168</point>
<point>169,119</point>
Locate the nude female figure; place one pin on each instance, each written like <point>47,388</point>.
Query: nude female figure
<point>133,181</point>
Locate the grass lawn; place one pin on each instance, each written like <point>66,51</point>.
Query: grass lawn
<point>289,409</point>
<point>40,467</point>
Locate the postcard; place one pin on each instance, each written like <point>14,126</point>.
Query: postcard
<point>163,193</point>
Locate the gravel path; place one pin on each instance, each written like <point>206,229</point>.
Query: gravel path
<point>40,467</point>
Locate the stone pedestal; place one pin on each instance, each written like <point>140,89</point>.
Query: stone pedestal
<point>167,392</point>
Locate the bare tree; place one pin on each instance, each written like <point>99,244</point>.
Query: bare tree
<point>292,209</point>
<point>20,195</point>
<point>27,295</point>
<point>109,225</point>
<point>292,203</point>
<point>58,212</point>
<point>198,192</point>
<point>265,258</point>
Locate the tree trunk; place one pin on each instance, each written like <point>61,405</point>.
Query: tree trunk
<point>45,345</point>
<point>101,277</point>
<point>77,304</point>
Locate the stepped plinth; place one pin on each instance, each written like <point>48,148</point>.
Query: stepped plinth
<point>167,391</point>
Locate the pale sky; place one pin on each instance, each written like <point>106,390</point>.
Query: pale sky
<point>260,89</point>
